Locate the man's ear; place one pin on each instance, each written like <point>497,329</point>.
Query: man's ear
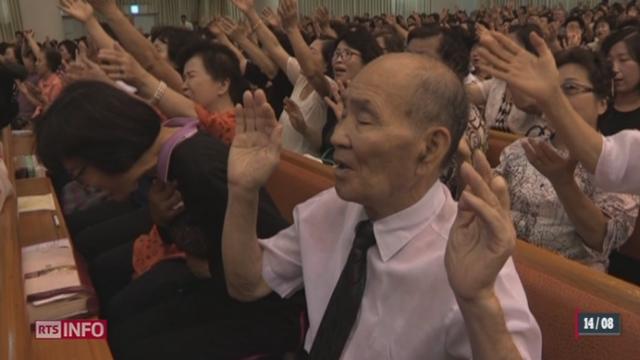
<point>435,144</point>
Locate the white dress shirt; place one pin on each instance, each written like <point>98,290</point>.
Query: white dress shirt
<point>618,169</point>
<point>408,310</point>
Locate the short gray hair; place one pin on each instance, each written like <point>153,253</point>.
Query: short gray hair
<point>439,98</point>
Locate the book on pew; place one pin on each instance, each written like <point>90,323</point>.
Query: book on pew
<point>54,286</point>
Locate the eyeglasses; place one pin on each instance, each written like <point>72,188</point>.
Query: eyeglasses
<point>345,54</point>
<point>571,89</point>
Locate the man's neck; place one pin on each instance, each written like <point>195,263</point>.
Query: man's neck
<point>400,201</point>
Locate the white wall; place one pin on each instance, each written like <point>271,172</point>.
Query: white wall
<point>43,17</point>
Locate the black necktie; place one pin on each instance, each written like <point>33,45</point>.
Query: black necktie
<point>342,311</point>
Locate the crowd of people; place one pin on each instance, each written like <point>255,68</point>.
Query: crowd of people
<point>160,145</point>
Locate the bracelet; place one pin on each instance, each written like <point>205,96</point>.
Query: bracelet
<point>159,94</point>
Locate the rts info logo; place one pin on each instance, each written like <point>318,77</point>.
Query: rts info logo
<point>71,329</point>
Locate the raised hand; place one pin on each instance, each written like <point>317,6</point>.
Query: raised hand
<point>235,32</point>
<point>255,151</point>
<point>322,16</point>
<point>120,65</point>
<point>482,237</point>
<point>534,76</point>
<point>338,98</point>
<point>215,28</point>
<point>391,20</point>
<point>78,9</point>
<point>165,202</point>
<point>270,17</point>
<point>296,118</point>
<point>244,5</point>
<point>288,11</point>
<point>548,162</point>
<point>85,69</point>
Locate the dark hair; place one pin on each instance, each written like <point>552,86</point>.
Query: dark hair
<point>328,47</point>
<point>424,32</point>
<point>522,33</point>
<point>609,20</point>
<point>630,22</point>
<point>393,42</point>
<point>98,124</point>
<point>53,59</point>
<point>339,27</point>
<point>176,38</point>
<point>596,66</point>
<point>220,63</point>
<point>4,46</point>
<point>454,50</point>
<point>361,39</point>
<point>70,46</point>
<point>575,18</point>
<point>630,37</point>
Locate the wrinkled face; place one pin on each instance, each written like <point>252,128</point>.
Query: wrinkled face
<point>602,30</point>
<point>428,46</point>
<point>346,62</point>
<point>575,83</point>
<point>626,71</point>
<point>199,86</point>
<point>316,50</point>
<point>162,48</point>
<point>118,186</point>
<point>377,146</point>
<point>66,57</point>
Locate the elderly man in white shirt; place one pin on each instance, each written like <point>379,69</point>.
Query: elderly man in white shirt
<point>610,159</point>
<point>423,278</point>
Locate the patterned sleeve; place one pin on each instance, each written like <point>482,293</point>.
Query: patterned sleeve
<point>622,211</point>
<point>508,160</point>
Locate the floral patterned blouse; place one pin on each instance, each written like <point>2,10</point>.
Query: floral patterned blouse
<point>540,218</point>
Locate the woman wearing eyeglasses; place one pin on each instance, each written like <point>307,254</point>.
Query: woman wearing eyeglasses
<point>554,201</point>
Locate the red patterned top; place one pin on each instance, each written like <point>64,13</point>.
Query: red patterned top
<point>221,125</point>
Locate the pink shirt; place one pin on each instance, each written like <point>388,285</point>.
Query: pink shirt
<point>618,168</point>
<point>408,310</point>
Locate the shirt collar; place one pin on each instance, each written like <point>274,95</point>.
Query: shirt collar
<point>395,231</point>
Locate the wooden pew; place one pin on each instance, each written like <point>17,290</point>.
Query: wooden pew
<point>32,228</point>
<point>297,179</point>
<point>498,140</point>
<point>556,287</point>
<point>14,332</point>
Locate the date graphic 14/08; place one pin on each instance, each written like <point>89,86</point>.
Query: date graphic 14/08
<point>598,324</point>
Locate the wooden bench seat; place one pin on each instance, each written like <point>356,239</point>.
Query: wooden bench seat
<point>16,339</point>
